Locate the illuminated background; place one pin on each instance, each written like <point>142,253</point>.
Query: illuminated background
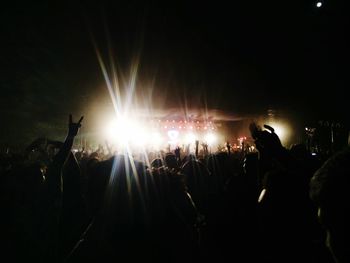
<point>241,60</point>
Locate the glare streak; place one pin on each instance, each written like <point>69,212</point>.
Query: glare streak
<point>108,83</point>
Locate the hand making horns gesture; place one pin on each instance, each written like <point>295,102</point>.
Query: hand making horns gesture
<point>73,127</point>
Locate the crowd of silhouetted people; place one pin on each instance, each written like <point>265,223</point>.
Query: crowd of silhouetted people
<point>272,205</point>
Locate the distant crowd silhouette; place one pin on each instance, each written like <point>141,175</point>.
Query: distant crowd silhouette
<point>273,205</point>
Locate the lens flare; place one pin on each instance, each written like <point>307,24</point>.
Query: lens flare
<point>123,132</point>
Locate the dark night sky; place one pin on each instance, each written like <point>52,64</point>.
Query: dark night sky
<point>240,56</point>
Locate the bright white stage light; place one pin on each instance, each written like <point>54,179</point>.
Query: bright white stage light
<point>190,138</point>
<point>156,139</point>
<point>111,130</point>
<point>210,138</point>
<point>123,131</point>
<point>129,132</point>
<point>173,136</point>
<point>279,130</point>
<point>319,4</point>
<point>140,138</point>
<point>116,131</point>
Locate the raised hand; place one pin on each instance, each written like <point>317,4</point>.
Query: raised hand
<point>228,146</point>
<point>269,128</point>
<point>73,127</point>
<point>177,152</point>
<point>205,148</point>
<point>265,140</point>
<point>109,148</point>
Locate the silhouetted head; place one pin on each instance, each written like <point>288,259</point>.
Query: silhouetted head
<point>157,163</point>
<point>190,157</point>
<point>329,190</point>
<point>196,177</point>
<point>266,140</point>
<point>37,156</point>
<point>170,161</point>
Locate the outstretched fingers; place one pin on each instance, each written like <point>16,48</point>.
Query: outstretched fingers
<point>71,119</point>
<point>80,120</point>
<point>74,126</point>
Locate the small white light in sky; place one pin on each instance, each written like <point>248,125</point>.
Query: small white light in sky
<point>319,4</point>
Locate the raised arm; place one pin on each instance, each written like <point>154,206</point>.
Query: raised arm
<point>52,203</point>
<point>54,176</point>
<point>73,128</point>
<point>270,147</point>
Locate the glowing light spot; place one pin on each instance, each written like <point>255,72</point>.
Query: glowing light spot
<point>157,139</point>
<point>279,131</point>
<point>190,138</point>
<point>210,138</point>
<point>119,131</point>
<point>125,132</point>
<point>262,195</point>
<point>173,136</point>
<point>319,4</point>
<point>282,129</point>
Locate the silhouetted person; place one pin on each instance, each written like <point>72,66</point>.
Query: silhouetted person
<point>288,224</point>
<point>171,161</point>
<point>36,206</point>
<point>157,163</point>
<point>329,189</point>
<point>137,214</point>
